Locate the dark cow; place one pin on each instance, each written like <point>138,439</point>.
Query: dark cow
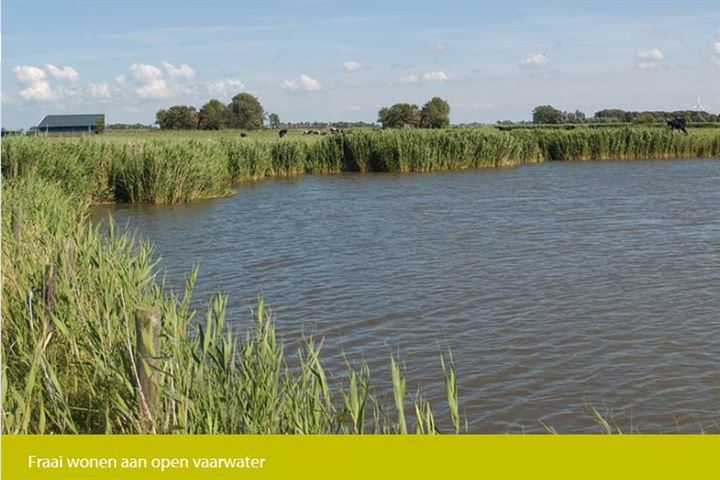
<point>678,124</point>
<point>243,135</point>
<point>282,132</point>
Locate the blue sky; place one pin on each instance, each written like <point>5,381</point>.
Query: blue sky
<point>324,60</point>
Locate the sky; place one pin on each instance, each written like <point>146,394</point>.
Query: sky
<point>332,61</point>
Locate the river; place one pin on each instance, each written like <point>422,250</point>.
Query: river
<point>557,286</point>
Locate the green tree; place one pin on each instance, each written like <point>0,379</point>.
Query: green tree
<point>435,114</point>
<point>177,117</point>
<point>644,118</point>
<point>547,114</point>
<point>274,120</point>
<point>214,115</point>
<point>100,124</point>
<point>399,115</point>
<point>246,112</point>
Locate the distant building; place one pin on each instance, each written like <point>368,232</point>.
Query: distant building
<point>72,124</point>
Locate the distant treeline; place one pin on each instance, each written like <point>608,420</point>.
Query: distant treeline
<point>549,115</point>
<point>129,126</point>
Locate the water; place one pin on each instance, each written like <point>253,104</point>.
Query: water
<point>557,286</point>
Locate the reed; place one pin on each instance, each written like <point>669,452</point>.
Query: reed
<point>164,168</point>
<point>76,358</point>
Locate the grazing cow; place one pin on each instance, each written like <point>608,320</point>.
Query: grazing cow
<point>678,124</point>
<point>307,132</point>
<point>243,135</point>
<point>282,132</point>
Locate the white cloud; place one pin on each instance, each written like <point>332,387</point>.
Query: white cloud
<point>100,90</point>
<point>64,73</point>
<point>648,58</point>
<point>438,76</point>
<point>152,83</point>
<point>33,79</point>
<point>440,47</point>
<point>154,88</point>
<point>534,60</point>
<point>183,71</point>
<point>120,80</point>
<point>225,87</point>
<point>28,74</point>
<point>303,82</point>
<point>351,66</point>
<point>716,47</point>
<point>409,79</point>
<point>143,71</point>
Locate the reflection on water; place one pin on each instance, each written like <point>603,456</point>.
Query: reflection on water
<point>556,286</point>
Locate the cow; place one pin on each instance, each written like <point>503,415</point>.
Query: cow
<point>677,124</point>
<point>282,132</point>
<point>243,135</point>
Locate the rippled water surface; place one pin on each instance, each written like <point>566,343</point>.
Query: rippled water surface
<point>556,286</point>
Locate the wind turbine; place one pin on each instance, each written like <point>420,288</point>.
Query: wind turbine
<point>698,107</point>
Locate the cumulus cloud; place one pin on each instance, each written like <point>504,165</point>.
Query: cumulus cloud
<point>534,60</point>
<point>351,66</point>
<point>438,76</point>
<point>120,80</point>
<point>409,79</point>
<point>183,71</point>
<point>648,58</point>
<point>152,81</point>
<point>100,90</point>
<point>303,82</point>
<point>154,88</point>
<point>143,71</point>
<point>34,83</point>
<point>225,87</point>
<point>64,73</point>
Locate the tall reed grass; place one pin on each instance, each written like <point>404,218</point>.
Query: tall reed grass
<point>70,296</point>
<point>179,169</point>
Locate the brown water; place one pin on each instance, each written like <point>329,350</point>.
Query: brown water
<point>556,286</point>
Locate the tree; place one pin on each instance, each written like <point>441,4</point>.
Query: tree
<point>177,117</point>
<point>246,112</point>
<point>645,118</point>
<point>100,124</point>
<point>274,120</point>
<point>214,115</point>
<point>547,114</point>
<point>435,114</point>
<point>399,115</point>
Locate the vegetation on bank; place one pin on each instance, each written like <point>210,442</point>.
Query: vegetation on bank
<point>181,167</point>
<point>70,348</point>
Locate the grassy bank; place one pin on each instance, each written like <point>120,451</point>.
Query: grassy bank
<point>70,349</point>
<point>158,167</point>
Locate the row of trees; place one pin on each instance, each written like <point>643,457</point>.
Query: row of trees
<point>434,114</point>
<point>244,111</point>
<point>547,114</point>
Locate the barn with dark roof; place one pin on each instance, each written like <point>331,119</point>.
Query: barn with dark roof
<point>69,124</point>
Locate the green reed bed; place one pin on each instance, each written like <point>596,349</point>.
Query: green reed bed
<point>179,168</point>
<point>71,295</point>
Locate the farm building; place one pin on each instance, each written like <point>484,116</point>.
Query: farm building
<point>69,124</point>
